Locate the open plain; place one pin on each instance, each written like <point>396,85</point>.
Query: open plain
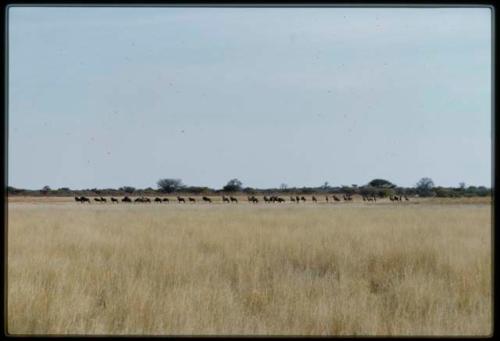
<point>418,268</point>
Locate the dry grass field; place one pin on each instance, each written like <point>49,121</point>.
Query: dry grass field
<point>242,269</point>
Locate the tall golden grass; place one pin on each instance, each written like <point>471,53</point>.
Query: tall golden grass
<point>249,270</point>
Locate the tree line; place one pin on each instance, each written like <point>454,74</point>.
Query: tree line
<point>382,188</point>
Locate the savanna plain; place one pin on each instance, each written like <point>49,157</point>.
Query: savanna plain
<point>419,268</point>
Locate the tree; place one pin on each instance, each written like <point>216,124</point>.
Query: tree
<point>233,185</point>
<point>127,189</point>
<point>424,187</point>
<point>283,186</point>
<point>170,185</point>
<point>381,183</point>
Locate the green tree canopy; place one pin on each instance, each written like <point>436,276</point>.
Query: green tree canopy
<point>233,185</point>
<point>170,185</point>
<point>425,187</point>
<point>381,183</point>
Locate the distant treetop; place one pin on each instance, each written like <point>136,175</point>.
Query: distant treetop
<point>381,183</point>
<point>170,185</point>
<point>233,185</point>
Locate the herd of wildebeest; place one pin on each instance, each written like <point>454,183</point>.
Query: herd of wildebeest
<point>231,199</point>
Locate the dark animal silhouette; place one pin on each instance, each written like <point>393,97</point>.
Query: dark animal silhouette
<point>97,199</point>
<point>225,199</point>
<point>207,199</point>
<point>303,199</point>
<point>266,199</point>
<point>406,198</point>
<point>233,199</point>
<point>192,199</point>
<point>314,199</point>
<point>326,197</point>
<point>113,200</point>
<point>103,199</point>
<point>292,199</point>
<point>126,199</point>
<point>158,200</point>
<point>82,199</point>
<point>336,198</point>
<point>297,199</point>
<point>166,200</point>
<point>180,199</point>
<point>253,199</point>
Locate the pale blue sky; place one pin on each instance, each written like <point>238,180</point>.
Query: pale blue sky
<point>108,97</point>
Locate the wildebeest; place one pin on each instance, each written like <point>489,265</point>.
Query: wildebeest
<point>126,199</point>
<point>97,199</point>
<point>292,199</point>
<point>207,199</point>
<point>225,199</point>
<point>82,199</point>
<point>181,199</point>
<point>335,198</point>
<point>192,199</point>
<point>103,199</point>
<point>158,200</point>
<point>266,199</point>
<point>114,200</point>
<point>166,200</point>
<point>297,199</point>
<point>303,199</point>
<point>406,198</point>
<point>233,199</point>
<point>280,199</point>
<point>326,197</point>
<point>139,200</point>
<point>253,199</point>
<point>314,199</point>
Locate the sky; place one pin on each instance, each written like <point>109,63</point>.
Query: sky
<point>105,97</point>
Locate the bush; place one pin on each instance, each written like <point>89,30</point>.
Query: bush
<point>197,190</point>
